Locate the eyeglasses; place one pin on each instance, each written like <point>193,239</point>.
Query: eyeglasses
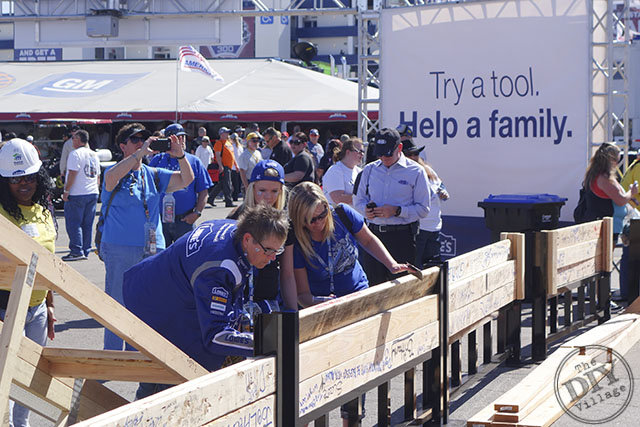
<point>269,251</point>
<point>320,217</point>
<point>296,141</point>
<point>356,150</point>
<point>136,139</point>
<point>27,179</point>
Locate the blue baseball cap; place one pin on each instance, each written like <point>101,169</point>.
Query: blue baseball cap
<point>174,129</point>
<point>258,173</point>
<point>386,142</point>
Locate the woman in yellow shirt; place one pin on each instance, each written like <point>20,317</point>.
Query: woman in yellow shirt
<point>24,200</point>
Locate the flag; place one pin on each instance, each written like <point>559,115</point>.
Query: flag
<point>191,60</point>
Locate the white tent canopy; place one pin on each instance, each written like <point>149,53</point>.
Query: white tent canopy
<point>253,90</point>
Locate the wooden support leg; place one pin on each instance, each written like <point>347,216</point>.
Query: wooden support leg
<point>321,422</point>
<point>472,350</point>
<point>13,328</point>
<point>409,395</point>
<point>579,313</point>
<point>502,331</point>
<point>384,405</point>
<point>514,319</point>
<point>568,303</point>
<point>604,297</point>
<point>593,308</point>
<point>63,419</point>
<point>487,344</point>
<point>553,315</point>
<point>456,364</point>
<point>539,326</point>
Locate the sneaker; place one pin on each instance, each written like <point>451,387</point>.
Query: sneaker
<point>230,205</point>
<point>72,257</point>
<point>615,308</point>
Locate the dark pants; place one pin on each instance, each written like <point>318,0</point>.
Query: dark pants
<point>401,244</point>
<point>236,181</point>
<point>174,230</point>
<point>224,185</point>
<point>427,248</point>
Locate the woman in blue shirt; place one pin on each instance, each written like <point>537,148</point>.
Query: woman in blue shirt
<point>326,250</point>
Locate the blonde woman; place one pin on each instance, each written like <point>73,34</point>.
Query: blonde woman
<point>276,280</point>
<point>326,249</point>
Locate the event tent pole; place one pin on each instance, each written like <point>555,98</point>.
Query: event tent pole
<point>177,74</point>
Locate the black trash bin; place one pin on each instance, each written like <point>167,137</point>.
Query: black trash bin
<point>523,213</point>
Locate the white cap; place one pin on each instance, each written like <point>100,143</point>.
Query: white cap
<point>29,138</point>
<point>18,158</point>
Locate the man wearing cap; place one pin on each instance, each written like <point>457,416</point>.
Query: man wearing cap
<point>190,201</point>
<point>249,157</point>
<point>393,195</point>
<point>280,152</point>
<point>223,150</point>
<point>80,196</point>
<point>314,147</point>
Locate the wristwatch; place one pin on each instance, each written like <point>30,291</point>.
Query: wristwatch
<point>398,211</point>
<point>197,212</point>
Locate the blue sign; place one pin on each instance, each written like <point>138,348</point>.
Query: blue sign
<point>38,55</point>
<point>78,85</point>
<point>266,20</point>
<point>284,20</point>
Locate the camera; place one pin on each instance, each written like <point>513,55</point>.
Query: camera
<point>371,205</point>
<point>161,144</point>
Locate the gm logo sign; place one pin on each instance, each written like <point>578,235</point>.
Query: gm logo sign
<point>447,245</point>
<point>78,85</point>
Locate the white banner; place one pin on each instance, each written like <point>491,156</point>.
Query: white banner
<point>498,91</point>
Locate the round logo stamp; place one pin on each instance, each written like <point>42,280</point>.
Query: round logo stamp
<point>593,384</point>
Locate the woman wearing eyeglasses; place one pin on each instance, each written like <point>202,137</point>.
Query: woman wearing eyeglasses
<point>266,186</point>
<point>131,202</point>
<point>337,183</point>
<point>325,254</point>
<point>24,200</point>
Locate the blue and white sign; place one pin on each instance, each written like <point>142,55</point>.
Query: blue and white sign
<point>284,20</point>
<point>38,55</point>
<point>79,85</point>
<point>266,20</point>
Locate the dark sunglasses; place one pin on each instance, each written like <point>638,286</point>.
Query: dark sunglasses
<point>27,179</point>
<point>136,139</point>
<point>320,217</point>
<point>269,251</point>
<point>296,141</point>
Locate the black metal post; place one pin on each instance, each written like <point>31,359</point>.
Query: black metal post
<point>514,325</point>
<point>487,343</point>
<point>472,353</point>
<point>409,395</point>
<point>604,297</point>
<point>553,314</point>
<point>384,405</point>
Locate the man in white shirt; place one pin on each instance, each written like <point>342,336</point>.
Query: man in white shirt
<point>80,196</point>
<point>67,148</point>
<point>204,151</point>
<point>249,157</point>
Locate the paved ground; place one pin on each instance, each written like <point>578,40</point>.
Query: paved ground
<point>77,330</point>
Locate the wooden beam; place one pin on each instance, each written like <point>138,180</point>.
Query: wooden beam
<point>465,316</point>
<point>326,317</point>
<point>106,365</point>
<point>578,271</point>
<point>7,271</point>
<point>12,331</point>
<point>580,252</point>
<point>573,235</point>
<point>71,285</point>
<point>260,413</point>
<point>552,263</point>
<point>198,401</point>
<point>607,244</point>
<point>480,259</point>
<point>334,348</point>
<point>517,254</point>
<point>96,399</point>
<point>474,287</point>
<point>322,389</point>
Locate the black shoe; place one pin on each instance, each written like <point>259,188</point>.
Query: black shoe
<point>72,257</point>
<point>615,308</point>
<point>229,205</point>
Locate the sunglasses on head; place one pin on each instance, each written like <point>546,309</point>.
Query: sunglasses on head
<point>320,217</point>
<point>28,179</point>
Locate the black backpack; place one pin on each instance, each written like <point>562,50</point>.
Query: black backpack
<point>580,211</point>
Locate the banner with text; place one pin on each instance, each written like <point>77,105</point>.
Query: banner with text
<point>498,91</point>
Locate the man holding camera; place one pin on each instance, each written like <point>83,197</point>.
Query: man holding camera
<point>393,195</point>
<point>190,201</point>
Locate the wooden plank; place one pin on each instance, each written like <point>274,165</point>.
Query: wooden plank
<point>93,301</point>
<point>580,233</point>
<point>106,365</point>
<point>465,316</point>
<point>326,317</point>
<point>580,252</point>
<point>336,347</point>
<point>12,331</point>
<point>607,244</point>
<point>480,259</point>
<point>322,389</point>
<point>483,418</point>
<point>517,254</point>
<point>551,263</point>
<point>257,414</point>
<point>473,288</point>
<point>96,399</point>
<point>198,401</point>
<point>8,269</point>
<point>578,271</point>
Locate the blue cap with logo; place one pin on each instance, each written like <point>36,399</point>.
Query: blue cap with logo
<point>174,129</point>
<point>259,172</point>
<point>386,141</point>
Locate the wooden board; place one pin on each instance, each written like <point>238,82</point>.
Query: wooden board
<point>573,235</point>
<point>580,252</point>
<point>258,414</point>
<point>466,316</point>
<point>336,347</point>
<point>478,260</point>
<point>326,317</point>
<point>473,288</point>
<point>517,254</point>
<point>90,299</point>
<point>96,399</point>
<point>578,271</point>
<point>607,244</point>
<point>106,365</point>
<point>327,386</point>
<point>482,418</point>
<point>198,401</point>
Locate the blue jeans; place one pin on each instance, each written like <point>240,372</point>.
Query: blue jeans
<point>79,213</point>
<point>173,231</point>
<point>35,328</point>
<point>427,247</point>
<point>117,260</point>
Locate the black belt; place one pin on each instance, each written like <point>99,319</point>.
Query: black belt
<point>387,228</point>
<point>179,217</point>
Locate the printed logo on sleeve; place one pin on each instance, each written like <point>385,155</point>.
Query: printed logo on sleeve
<point>197,237</point>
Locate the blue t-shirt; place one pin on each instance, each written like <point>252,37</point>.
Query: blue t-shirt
<point>124,225</point>
<point>348,275</point>
<point>187,197</point>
